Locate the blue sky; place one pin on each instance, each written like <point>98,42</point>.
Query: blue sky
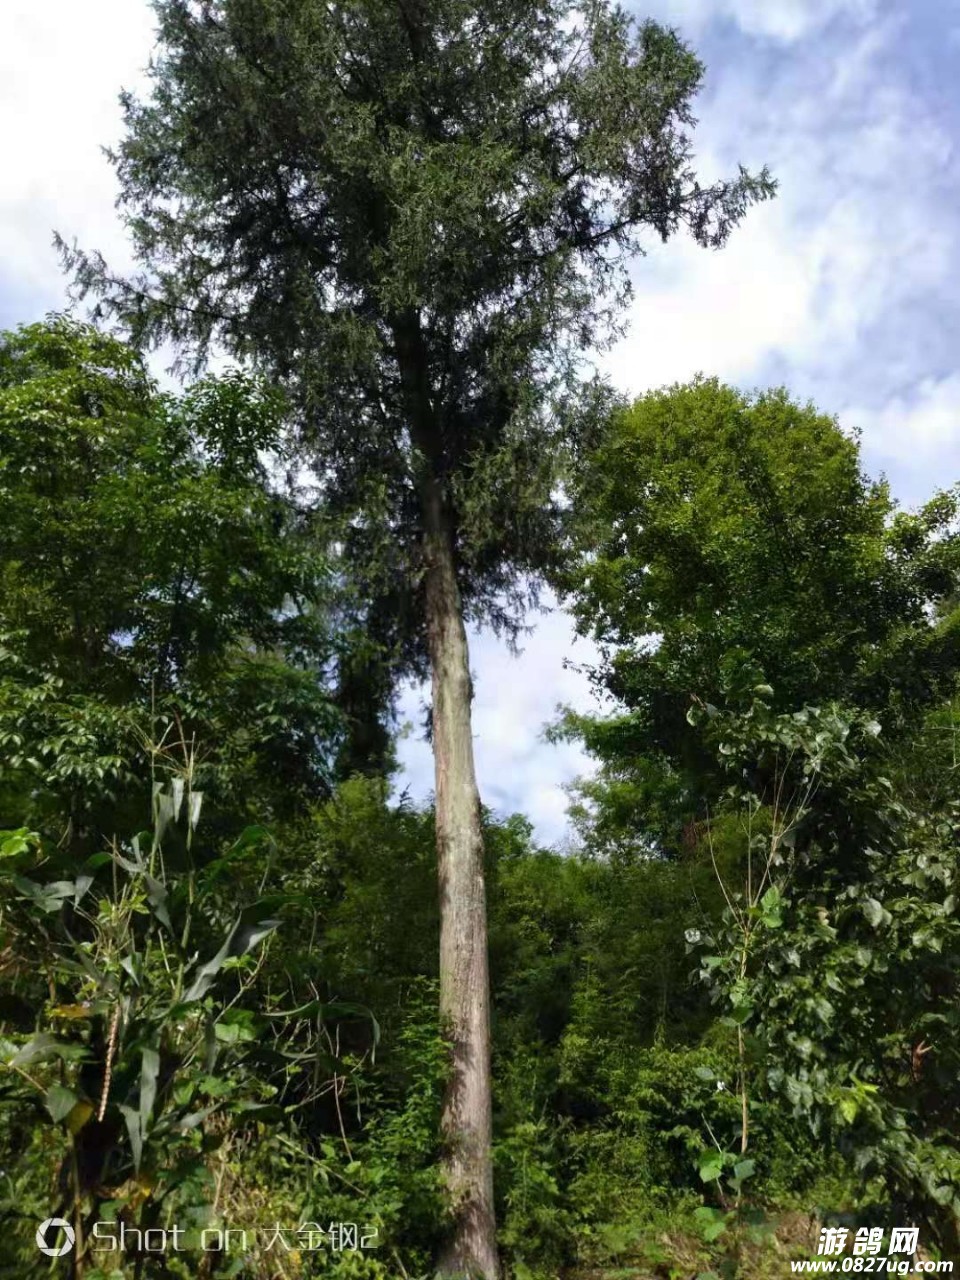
<point>844,289</point>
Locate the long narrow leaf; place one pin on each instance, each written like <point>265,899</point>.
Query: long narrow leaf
<point>149,1070</point>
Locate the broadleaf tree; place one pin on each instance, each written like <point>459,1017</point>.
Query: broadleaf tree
<point>714,525</point>
<point>416,214</point>
<point>155,586</point>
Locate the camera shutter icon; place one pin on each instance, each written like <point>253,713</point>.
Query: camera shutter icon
<point>56,1250</point>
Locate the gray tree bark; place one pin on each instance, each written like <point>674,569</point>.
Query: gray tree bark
<point>466,1121</point>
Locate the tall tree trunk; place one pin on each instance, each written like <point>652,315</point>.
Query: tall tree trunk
<point>464,977</point>
<point>471,1249</point>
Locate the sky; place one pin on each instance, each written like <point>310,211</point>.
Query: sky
<point>844,289</point>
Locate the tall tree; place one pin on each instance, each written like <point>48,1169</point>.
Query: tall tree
<point>416,213</point>
<point>712,524</point>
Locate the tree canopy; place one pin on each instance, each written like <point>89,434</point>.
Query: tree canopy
<point>391,205</point>
<point>150,565</point>
<point>715,527</point>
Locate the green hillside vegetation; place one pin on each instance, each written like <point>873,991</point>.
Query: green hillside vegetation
<point>728,1016</point>
<point>262,1015</point>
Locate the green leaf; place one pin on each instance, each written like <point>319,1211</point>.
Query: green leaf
<point>149,1070</point>
<point>44,1046</point>
<point>60,1101</point>
<point>14,843</point>
<point>216,1086</point>
<point>48,897</point>
<point>711,1222</point>
<point>849,1107</point>
<point>207,973</point>
<point>157,897</point>
<point>176,798</point>
<point>770,908</point>
<point>875,912</point>
<point>265,1112</point>
<point>135,1132</point>
<point>192,1121</point>
<point>80,887</point>
<point>251,935</point>
<point>237,1026</point>
<point>243,937</point>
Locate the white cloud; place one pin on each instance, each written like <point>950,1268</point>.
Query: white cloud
<point>862,228</point>
<point>918,430</point>
<point>62,66</point>
<point>716,313</point>
<point>785,20</point>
